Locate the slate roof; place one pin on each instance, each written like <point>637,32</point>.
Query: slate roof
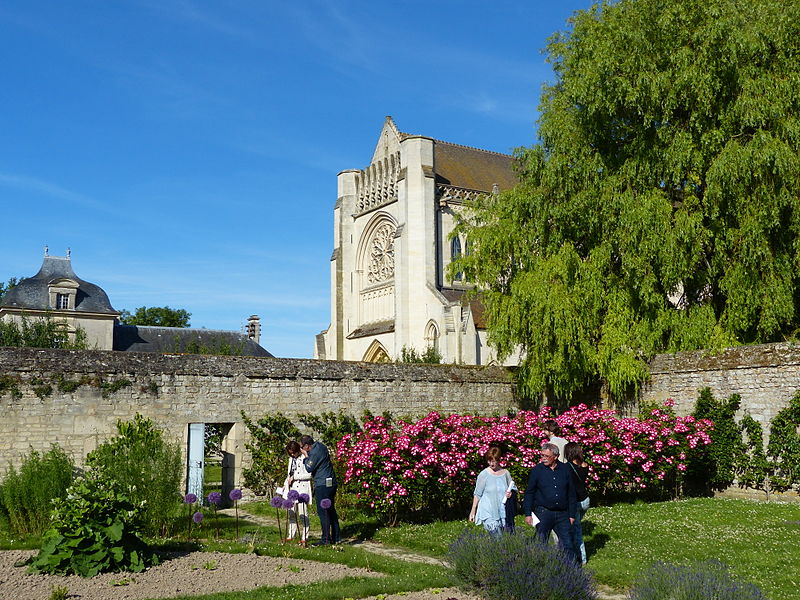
<point>475,305</point>
<point>468,167</point>
<point>167,340</point>
<point>372,329</point>
<point>32,292</point>
<point>472,168</point>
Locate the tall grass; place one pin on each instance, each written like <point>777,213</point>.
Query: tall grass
<point>26,494</point>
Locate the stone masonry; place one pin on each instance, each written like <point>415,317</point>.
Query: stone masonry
<point>175,390</point>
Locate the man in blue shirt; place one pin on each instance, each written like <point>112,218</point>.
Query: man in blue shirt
<point>318,462</point>
<point>550,495</point>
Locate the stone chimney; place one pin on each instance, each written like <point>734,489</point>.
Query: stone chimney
<point>254,328</point>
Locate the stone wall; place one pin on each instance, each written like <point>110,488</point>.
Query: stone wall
<point>766,376</point>
<point>175,390</point>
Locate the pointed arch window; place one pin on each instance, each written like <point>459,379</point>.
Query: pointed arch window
<point>455,252</point>
<point>432,335</point>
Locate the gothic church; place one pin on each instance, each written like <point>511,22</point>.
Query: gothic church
<point>392,246</point>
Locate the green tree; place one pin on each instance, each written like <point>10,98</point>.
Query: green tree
<point>659,209</point>
<point>43,332</point>
<point>7,285</point>
<point>156,316</point>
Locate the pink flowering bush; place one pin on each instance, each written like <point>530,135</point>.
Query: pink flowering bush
<point>395,468</point>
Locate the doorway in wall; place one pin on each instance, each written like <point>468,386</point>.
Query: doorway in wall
<point>210,466</point>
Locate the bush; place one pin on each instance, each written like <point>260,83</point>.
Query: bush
<point>95,530</point>
<point>710,579</point>
<point>269,435</point>
<point>397,469</point>
<point>784,446</point>
<point>26,495</point>
<point>518,566</point>
<point>147,467</point>
<point>719,470</point>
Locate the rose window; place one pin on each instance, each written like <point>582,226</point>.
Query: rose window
<point>381,264</point>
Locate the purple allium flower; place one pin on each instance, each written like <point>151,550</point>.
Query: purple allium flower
<point>304,498</point>
<point>235,494</point>
<point>276,502</point>
<point>293,495</point>
<point>287,504</point>
<point>214,498</point>
<point>190,498</point>
<point>325,503</point>
<point>197,517</point>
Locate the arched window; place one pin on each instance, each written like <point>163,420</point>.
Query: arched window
<point>455,252</point>
<point>432,335</point>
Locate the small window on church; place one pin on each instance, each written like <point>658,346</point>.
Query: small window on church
<point>62,301</point>
<point>455,252</point>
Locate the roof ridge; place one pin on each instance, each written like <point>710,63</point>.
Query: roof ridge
<point>473,148</point>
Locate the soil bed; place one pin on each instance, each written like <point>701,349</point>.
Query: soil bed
<point>188,574</point>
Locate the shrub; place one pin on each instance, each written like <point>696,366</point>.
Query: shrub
<point>517,566</point>
<point>147,466</point>
<point>718,472</point>
<point>784,446</point>
<point>96,529</point>
<point>430,465</point>
<point>706,580</point>
<point>269,436</point>
<point>26,495</point>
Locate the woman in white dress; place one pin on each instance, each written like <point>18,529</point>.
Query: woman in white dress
<point>298,479</point>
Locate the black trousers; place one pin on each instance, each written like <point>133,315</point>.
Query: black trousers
<point>328,519</point>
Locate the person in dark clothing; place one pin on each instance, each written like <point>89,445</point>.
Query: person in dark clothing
<point>580,477</point>
<point>318,462</point>
<point>550,496</point>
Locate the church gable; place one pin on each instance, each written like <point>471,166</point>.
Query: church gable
<point>388,141</point>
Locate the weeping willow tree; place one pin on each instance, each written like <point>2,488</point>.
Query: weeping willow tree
<point>658,210</point>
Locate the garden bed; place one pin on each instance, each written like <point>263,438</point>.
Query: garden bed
<point>192,574</point>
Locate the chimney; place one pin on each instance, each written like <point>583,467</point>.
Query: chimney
<point>254,328</point>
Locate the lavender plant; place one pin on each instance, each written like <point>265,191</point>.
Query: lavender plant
<point>711,579</point>
<point>517,566</point>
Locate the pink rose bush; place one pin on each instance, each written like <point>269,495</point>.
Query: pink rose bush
<point>431,464</point>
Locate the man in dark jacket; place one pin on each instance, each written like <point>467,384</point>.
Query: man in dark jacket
<point>318,462</point>
<point>550,496</point>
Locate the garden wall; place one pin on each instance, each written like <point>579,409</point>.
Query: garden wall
<point>766,376</point>
<point>76,397</point>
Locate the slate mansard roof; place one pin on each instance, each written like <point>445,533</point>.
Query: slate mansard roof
<point>168,340</point>
<point>33,292</point>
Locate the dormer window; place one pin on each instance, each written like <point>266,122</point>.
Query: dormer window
<point>62,293</point>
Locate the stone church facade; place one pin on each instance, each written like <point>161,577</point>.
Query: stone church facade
<point>392,245</point>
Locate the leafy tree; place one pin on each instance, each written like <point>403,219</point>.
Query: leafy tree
<point>156,316</point>
<point>41,333</point>
<point>659,209</point>
<point>7,285</point>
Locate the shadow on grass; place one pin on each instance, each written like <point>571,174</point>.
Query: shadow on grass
<point>593,539</point>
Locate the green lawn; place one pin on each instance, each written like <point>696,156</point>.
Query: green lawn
<point>760,541</point>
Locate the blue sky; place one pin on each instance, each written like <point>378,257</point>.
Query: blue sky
<point>187,151</point>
